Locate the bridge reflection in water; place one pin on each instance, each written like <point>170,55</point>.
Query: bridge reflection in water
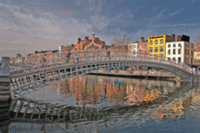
<point>97,103</point>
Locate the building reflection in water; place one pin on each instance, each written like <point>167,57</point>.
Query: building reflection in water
<point>111,91</point>
<point>94,90</point>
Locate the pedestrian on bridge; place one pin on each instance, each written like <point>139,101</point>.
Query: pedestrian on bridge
<point>68,56</point>
<point>44,62</point>
<point>98,53</point>
<point>76,58</point>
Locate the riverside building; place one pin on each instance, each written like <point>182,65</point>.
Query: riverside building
<point>156,44</point>
<point>180,51</point>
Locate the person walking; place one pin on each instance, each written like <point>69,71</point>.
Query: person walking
<point>68,56</point>
<point>98,53</point>
<point>43,61</point>
<point>76,59</point>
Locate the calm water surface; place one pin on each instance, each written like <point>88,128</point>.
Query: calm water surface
<point>128,105</point>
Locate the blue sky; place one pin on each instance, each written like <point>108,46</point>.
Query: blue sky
<point>29,25</point>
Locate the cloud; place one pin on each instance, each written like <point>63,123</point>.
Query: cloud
<point>174,13</point>
<point>23,30</point>
<point>174,25</point>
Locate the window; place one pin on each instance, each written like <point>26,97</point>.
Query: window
<point>156,49</point>
<point>169,45</point>
<point>179,59</point>
<point>156,56</point>
<point>174,45</point>
<point>174,59</point>
<point>156,42</point>
<point>174,51</point>
<point>161,41</point>
<point>161,49</point>
<point>185,51</point>
<point>151,42</point>
<point>179,51</point>
<point>169,59</point>
<point>151,50</point>
<point>179,45</point>
<point>169,52</point>
<point>134,52</point>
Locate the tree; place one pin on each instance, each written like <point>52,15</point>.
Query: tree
<point>197,39</point>
<point>18,55</point>
<point>120,41</point>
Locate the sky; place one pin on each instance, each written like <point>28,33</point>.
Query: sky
<point>29,25</point>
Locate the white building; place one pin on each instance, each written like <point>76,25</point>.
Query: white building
<point>180,51</point>
<point>132,49</point>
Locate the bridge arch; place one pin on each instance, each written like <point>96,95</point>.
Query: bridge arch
<point>23,84</point>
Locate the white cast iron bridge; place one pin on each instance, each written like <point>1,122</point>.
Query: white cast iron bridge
<point>61,67</point>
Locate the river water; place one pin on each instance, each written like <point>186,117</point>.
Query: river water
<point>132,105</point>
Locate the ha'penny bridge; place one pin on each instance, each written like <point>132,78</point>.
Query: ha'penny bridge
<point>61,67</point>
<point>17,80</point>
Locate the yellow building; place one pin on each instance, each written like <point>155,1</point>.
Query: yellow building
<point>156,45</point>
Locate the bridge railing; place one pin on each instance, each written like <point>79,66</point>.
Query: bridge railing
<point>91,56</point>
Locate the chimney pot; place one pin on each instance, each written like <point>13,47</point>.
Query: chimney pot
<point>78,40</point>
<point>86,38</point>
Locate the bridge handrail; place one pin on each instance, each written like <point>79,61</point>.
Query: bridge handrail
<point>60,58</point>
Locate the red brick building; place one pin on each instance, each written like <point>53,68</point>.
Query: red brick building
<point>197,49</point>
<point>142,46</point>
<point>88,44</point>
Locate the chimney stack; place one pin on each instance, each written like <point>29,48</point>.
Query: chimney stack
<point>141,39</point>
<point>177,38</point>
<point>86,38</point>
<point>78,40</point>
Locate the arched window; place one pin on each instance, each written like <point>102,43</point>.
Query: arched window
<point>156,42</point>
<point>169,45</point>
<point>161,41</point>
<point>151,42</point>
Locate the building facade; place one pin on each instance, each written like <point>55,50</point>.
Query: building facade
<point>138,48</point>
<point>156,45</point>
<point>180,51</point>
<point>94,44</point>
<point>142,46</point>
<point>196,60</point>
<point>132,49</point>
